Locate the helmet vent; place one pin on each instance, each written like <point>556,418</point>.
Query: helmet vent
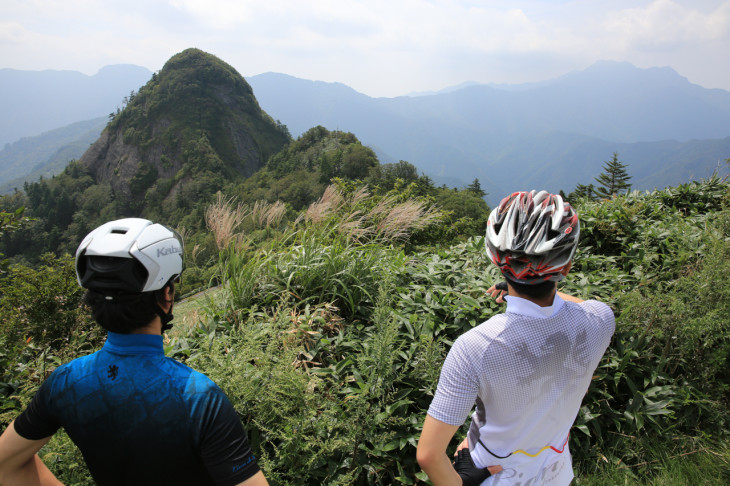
<point>119,232</point>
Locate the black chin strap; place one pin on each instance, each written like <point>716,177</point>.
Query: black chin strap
<point>165,318</point>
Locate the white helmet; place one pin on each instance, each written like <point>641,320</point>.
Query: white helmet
<point>532,236</point>
<point>133,255</point>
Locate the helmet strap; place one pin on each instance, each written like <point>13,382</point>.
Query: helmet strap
<point>164,317</point>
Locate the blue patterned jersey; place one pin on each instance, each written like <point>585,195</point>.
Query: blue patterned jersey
<point>141,418</point>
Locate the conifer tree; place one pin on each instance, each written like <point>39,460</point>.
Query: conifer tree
<point>614,178</point>
<point>476,188</point>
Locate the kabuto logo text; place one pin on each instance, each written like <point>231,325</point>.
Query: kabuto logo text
<point>168,251</point>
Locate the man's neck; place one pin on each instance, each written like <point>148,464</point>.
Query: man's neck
<point>542,302</point>
<point>154,327</point>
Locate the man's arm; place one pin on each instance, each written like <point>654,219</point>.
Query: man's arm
<point>257,479</point>
<point>19,463</point>
<point>570,298</point>
<point>431,452</point>
<point>431,456</point>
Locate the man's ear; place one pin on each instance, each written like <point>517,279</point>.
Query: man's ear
<point>566,269</point>
<point>169,292</point>
<point>166,294</point>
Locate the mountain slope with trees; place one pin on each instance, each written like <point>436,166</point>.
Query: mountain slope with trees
<point>196,119</point>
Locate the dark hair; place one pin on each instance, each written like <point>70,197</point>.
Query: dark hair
<point>537,291</point>
<point>124,312</point>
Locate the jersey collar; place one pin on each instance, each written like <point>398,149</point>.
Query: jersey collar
<point>134,343</point>
<point>518,305</point>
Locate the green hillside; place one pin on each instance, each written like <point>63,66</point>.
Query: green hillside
<point>328,336</point>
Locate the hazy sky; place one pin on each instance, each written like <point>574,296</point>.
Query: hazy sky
<point>380,48</point>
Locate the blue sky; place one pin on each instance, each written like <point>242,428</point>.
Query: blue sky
<point>380,48</point>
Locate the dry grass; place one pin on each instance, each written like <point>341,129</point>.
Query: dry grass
<point>223,220</point>
<point>399,220</point>
<point>329,204</point>
<point>388,220</point>
<point>267,215</point>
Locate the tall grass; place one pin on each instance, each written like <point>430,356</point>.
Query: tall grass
<point>223,219</point>
<point>337,252</point>
<point>385,219</point>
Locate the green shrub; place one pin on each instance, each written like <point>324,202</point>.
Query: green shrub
<point>41,326</point>
<point>689,324</point>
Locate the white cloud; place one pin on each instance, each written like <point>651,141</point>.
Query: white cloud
<point>380,47</point>
<point>13,33</point>
<point>665,24</point>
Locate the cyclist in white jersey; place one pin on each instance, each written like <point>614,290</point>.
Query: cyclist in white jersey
<point>526,370</point>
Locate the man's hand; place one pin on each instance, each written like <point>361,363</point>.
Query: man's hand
<point>498,291</point>
<point>467,470</point>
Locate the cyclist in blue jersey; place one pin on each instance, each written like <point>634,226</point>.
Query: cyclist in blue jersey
<point>524,371</point>
<point>138,417</point>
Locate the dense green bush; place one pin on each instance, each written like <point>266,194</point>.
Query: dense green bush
<point>688,324</point>
<point>41,326</point>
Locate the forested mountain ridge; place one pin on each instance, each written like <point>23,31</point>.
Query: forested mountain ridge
<point>556,132</point>
<point>198,117</point>
<point>192,129</point>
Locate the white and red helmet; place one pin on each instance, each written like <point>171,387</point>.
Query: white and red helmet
<point>532,236</point>
<point>132,255</point>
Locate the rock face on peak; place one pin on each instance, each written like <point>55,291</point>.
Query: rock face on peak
<point>195,122</point>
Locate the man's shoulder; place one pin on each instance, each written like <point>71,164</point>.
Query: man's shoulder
<point>483,333</point>
<point>72,366</point>
<point>194,380</point>
<point>594,307</point>
<point>596,316</point>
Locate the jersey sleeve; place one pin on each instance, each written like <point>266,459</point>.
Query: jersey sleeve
<point>605,318</point>
<point>457,388</point>
<point>37,422</point>
<point>224,446</point>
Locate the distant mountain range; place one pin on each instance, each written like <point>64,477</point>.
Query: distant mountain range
<point>31,158</point>
<point>553,134</point>
<point>34,102</point>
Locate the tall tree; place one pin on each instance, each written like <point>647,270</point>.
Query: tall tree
<point>476,188</point>
<point>614,178</point>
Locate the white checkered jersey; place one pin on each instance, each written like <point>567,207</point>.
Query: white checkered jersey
<point>526,371</point>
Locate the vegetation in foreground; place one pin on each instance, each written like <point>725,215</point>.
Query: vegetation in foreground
<point>329,337</point>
